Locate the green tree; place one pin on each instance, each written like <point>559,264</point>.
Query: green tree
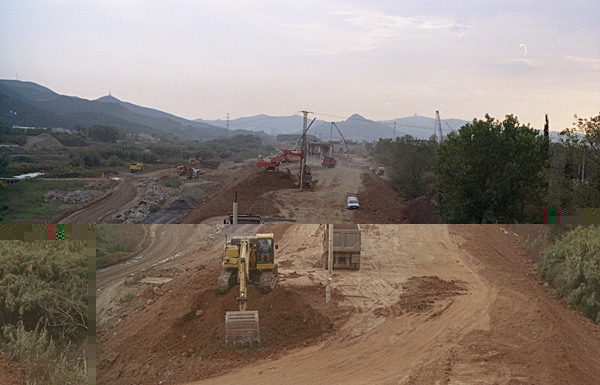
<point>575,175</point>
<point>107,134</point>
<point>409,164</point>
<point>4,162</point>
<point>491,171</point>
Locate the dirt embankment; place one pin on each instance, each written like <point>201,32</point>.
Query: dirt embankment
<point>276,195</point>
<point>533,334</point>
<point>250,183</point>
<point>431,304</point>
<point>179,337</point>
<point>379,203</point>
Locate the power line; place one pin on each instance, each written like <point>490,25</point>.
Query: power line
<point>360,120</point>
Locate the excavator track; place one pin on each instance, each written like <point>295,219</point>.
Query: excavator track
<point>226,280</point>
<point>268,280</point>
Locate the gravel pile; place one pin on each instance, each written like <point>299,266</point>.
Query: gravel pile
<point>69,197</point>
<point>155,194</point>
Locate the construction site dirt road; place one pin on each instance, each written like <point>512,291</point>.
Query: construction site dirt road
<point>273,195</point>
<point>431,304</point>
<point>277,196</point>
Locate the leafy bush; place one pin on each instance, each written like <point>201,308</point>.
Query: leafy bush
<point>409,164</point>
<point>44,309</point>
<point>44,280</point>
<point>18,168</point>
<point>173,181</point>
<point>44,360</point>
<point>114,161</point>
<point>572,267</point>
<point>71,140</point>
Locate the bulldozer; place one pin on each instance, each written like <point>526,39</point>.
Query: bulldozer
<point>246,260</point>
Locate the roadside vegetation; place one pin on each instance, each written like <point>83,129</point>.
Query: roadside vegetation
<point>571,266</point>
<point>106,149</point>
<point>23,202</point>
<point>93,152</point>
<point>493,171</point>
<point>44,309</point>
<point>116,243</point>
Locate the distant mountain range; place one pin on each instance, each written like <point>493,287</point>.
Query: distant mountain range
<point>31,105</point>
<point>355,128</point>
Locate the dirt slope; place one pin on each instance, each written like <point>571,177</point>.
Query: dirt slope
<point>432,304</point>
<point>251,183</point>
<point>275,195</point>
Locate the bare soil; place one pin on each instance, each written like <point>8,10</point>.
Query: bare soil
<point>9,372</point>
<point>277,195</point>
<point>379,203</point>
<point>190,344</point>
<point>250,183</point>
<point>431,304</point>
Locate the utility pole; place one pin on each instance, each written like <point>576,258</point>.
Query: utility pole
<point>303,163</point>
<point>438,125</point>
<point>329,262</point>
<point>394,137</point>
<point>228,120</point>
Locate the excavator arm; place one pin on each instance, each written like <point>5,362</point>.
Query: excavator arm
<point>241,327</point>
<point>276,161</point>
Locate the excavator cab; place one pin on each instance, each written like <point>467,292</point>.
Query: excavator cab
<point>246,260</point>
<point>264,251</point>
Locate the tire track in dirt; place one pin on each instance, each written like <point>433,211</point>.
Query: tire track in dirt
<point>97,212</point>
<point>361,352</point>
<point>431,304</point>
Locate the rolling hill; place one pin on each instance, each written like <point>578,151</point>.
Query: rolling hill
<point>32,105</point>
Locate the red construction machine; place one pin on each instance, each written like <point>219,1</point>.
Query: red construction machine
<point>285,156</point>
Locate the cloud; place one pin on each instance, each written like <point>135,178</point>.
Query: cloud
<point>359,30</point>
<point>592,62</point>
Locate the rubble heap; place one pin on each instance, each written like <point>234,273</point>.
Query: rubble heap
<point>155,195</point>
<point>69,197</point>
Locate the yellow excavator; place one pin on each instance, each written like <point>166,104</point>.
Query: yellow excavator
<point>246,260</point>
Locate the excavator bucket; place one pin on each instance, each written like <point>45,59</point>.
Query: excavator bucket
<point>241,327</point>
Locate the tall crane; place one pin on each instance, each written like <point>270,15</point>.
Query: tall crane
<point>344,139</point>
<point>438,126</point>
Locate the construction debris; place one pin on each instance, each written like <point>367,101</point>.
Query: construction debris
<point>68,197</point>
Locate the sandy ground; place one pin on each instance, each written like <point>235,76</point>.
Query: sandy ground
<point>163,246</point>
<point>9,372</point>
<point>273,195</point>
<point>327,202</point>
<point>431,304</point>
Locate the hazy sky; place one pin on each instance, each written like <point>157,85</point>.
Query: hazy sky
<point>381,59</point>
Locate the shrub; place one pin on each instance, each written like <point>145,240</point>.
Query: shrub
<point>572,267</point>
<point>173,181</point>
<point>44,359</point>
<point>44,309</point>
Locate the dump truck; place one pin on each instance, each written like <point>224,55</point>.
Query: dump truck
<point>329,162</point>
<point>244,219</point>
<point>135,167</point>
<point>346,246</point>
<point>246,260</point>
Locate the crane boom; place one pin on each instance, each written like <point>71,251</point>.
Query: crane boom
<point>344,139</point>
